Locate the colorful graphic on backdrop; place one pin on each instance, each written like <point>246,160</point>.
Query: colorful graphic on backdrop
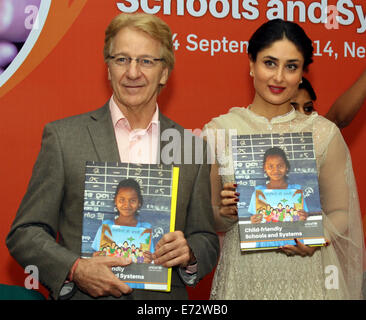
<point>29,32</point>
<point>21,22</point>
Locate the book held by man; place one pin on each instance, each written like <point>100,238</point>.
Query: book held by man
<point>127,209</point>
<point>279,198</point>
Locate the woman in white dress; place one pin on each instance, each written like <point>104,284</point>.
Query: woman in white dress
<point>279,52</point>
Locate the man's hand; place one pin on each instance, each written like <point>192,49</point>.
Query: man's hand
<point>173,250</point>
<point>95,277</point>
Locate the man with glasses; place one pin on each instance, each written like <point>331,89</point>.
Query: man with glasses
<point>139,55</point>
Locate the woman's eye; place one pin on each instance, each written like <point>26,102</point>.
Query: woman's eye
<point>269,63</point>
<point>308,109</point>
<point>292,67</point>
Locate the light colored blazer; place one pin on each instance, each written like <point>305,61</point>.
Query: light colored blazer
<point>52,207</point>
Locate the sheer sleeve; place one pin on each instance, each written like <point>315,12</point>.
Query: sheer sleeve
<point>209,133</point>
<point>342,217</point>
<point>334,187</point>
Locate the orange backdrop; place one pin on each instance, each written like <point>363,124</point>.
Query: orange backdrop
<point>64,74</point>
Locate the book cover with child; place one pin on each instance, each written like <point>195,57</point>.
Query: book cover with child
<point>279,198</point>
<point>127,209</point>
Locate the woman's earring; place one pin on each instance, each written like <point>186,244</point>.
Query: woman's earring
<point>251,73</point>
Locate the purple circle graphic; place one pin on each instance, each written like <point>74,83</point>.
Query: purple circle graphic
<point>17,19</point>
<point>8,52</point>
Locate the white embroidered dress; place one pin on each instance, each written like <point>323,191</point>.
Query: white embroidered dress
<point>333,272</point>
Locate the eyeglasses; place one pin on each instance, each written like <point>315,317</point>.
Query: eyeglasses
<point>144,62</point>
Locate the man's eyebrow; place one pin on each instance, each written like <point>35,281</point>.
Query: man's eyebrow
<point>127,55</point>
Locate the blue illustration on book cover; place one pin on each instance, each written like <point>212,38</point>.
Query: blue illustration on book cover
<point>279,198</point>
<point>127,209</point>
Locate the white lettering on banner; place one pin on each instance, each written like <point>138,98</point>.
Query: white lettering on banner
<point>176,43</point>
<point>350,48</point>
<point>315,11</point>
<point>362,19</point>
<point>133,7</point>
<point>145,7</point>
<point>350,15</point>
<point>196,8</point>
<point>225,8</point>
<point>323,9</point>
<point>277,10</point>
<point>291,8</point>
<point>202,10</point>
<point>215,46</point>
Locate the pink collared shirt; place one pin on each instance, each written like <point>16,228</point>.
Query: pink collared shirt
<point>138,145</point>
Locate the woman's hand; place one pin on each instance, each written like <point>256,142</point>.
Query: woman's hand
<point>300,249</point>
<point>302,215</point>
<point>229,199</point>
<point>256,218</point>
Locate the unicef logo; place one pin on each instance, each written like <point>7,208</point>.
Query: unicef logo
<point>308,192</point>
<point>158,232</point>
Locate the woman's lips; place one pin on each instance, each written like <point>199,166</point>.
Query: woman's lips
<point>276,90</point>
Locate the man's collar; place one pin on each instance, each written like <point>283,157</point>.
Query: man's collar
<point>117,114</point>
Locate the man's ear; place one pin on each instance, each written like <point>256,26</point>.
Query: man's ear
<point>109,74</point>
<point>164,77</point>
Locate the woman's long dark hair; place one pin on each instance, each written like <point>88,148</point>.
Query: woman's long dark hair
<point>279,29</point>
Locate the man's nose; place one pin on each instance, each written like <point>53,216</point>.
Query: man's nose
<point>133,70</point>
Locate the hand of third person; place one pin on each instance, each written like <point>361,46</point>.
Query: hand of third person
<point>229,200</point>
